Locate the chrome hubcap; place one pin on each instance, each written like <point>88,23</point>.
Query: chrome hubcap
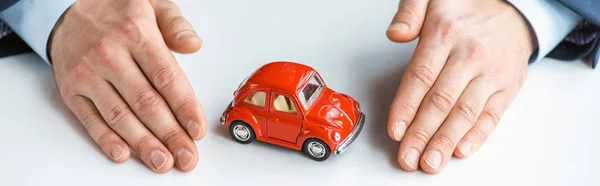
<point>316,149</point>
<point>241,132</point>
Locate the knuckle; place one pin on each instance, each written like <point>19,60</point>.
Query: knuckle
<point>75,101</point>
<point>103,52</point>
<point>83,74</point>
<point>409,11</point>
<point>174,136</point>
<point>476,49</point>
<point>442,100</point>
<point>80,78</point>
<point>116,114</point>
<point>444,141</point>
<point>131,28</point>
<point>468,111</point>
<point>143,142</point>
<point>163,76</point>
<point>164,6</point>
<point>79,82</point>
<point>104,138</point>
<point>449,31</point>
<point>408,108</point>
<point>69,95</point>
<point>424,74</point>
<point>419,135</point>
<point>176,23</point>
<point>89,120</point>
<point>101,49</point>
<point>184,106</point>
<point>493,116</point>
<point>478,134</point>
<point>146,102</point>
<point>79,89</point>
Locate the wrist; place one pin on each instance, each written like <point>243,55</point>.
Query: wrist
<point>519,33</point>
<point>530,42</point>
<point>51,38</point>
<point>549,23</point>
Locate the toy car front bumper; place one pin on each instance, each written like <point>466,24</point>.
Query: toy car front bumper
<point>224,115</point>
<point>353,135</point>
<point>222,120</point>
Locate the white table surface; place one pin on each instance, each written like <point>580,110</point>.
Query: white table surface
<point>549,135</point>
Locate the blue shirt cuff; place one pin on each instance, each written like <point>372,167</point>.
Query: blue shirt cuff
<point>34,20</point>
<point>550,22</point>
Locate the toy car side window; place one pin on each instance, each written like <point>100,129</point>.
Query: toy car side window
<point>284,104</point>
<point>257,98</point>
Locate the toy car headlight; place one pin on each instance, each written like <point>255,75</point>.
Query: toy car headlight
<point>337,136</point>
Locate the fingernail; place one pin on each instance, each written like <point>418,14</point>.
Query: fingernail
<point>434,159</point>
<point>184,158</point>
<point>116,152</point>
<point>466,148</point>
<point>194,129</point>
<point>185,35</point>
<point>411,158</point>
<point>398,129</point>
<point>158,159</point>
<point>401,27</point>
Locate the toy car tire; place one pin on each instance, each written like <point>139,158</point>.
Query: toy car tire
<point>316,149</point>
<point>241,132</point>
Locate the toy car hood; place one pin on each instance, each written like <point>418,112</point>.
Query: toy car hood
<point>336,110</point>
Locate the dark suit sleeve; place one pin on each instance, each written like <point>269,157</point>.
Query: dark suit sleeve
<point>589,9</point>
<point>584,41</point>
<point>11,44</point>
<point>4,4</point>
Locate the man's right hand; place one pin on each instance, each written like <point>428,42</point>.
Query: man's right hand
<point>114,68</point>
<point>469,64</point>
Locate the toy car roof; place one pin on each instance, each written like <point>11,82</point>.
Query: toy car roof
<point>282,75</point>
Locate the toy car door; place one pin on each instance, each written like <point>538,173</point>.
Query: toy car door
<point>258,105</point>
<point>284,121</point>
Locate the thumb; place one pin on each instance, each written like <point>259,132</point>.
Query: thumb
<point>177,32</point>
<point>408,20</point>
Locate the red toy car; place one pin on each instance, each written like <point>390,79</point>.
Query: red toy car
<point>288,104</point>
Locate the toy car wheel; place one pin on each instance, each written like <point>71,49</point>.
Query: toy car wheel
<point>241,132</point>
<point>316,149</point>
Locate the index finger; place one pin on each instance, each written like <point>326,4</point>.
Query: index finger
<point>426,63</point>
<point>178,33</point>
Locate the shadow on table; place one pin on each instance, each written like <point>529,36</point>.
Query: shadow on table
<point>224,133</point>
<point>48,84</point>
<point>70,118</point>
<point>384,69</point>
<point>42,75</point>
<point>220,130</point>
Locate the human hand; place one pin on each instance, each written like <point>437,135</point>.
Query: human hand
<point>114,68</point>
<point>470,62</point>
